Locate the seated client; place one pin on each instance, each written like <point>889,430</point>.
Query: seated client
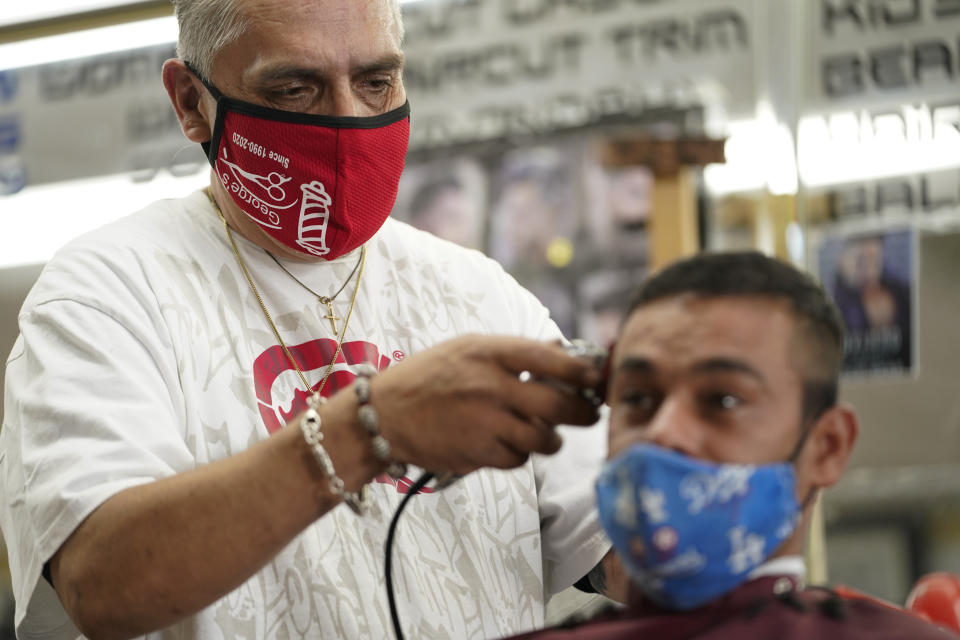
<point>724,426</point>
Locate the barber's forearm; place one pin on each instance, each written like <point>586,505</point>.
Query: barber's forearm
<point>154,554</point>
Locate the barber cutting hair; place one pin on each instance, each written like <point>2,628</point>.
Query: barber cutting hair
<point>215,404</point>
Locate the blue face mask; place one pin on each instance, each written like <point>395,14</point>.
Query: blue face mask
<point>689,531</point>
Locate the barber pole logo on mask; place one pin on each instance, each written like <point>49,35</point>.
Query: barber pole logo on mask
<point>314,217</point>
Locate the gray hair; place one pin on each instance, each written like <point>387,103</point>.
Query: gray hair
<point>207,26</point>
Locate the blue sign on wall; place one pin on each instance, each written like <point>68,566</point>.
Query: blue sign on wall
<point>9,134</point>
<point>13,175</point>
<point>8,86</point>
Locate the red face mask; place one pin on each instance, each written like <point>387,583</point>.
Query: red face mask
<point>321,185</point>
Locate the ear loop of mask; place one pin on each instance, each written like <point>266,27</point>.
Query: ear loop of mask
<point>218,124</point>
<point>212,89</point>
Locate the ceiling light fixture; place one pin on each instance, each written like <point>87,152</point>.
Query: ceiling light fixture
<point>91,42</point>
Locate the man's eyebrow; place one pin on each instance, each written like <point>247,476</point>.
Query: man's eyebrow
<point>642,365</point>
<point>389,62</point>
<point>285,72</point>
<point>728,365</point>
<point>636,365</point>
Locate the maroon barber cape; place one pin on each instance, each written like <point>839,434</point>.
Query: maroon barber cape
<point>768,607</point>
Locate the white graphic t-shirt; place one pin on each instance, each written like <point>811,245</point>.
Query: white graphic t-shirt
<point>143,354</point>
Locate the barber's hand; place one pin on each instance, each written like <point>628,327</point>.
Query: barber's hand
<point>461,404</point>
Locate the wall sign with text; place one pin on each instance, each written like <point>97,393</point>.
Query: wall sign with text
<point>882,52</point>
<point>96,116</point>
<point>488,69</point>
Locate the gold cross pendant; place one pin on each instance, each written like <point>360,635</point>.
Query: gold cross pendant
<point>331,316</point>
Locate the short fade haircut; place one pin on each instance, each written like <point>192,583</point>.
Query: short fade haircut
<point>207,26</point>
<point>752,274</point>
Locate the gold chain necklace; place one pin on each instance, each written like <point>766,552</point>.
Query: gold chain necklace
<point>327,300</point>
<point>263,307</point>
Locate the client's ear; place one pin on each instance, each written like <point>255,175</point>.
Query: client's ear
<point>832,438</point>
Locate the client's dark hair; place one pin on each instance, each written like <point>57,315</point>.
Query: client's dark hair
<point>752,274</point>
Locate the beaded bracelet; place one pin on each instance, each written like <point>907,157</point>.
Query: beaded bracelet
<point>369,420</point>
<point>310,426</point>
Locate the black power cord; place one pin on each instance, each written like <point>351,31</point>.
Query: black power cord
<point>388,557</point>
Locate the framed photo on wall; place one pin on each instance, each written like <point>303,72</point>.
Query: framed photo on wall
<point>872,278</point>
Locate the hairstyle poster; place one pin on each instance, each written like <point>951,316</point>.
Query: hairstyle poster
<point>534,209</point>
<point>872,278</point>
<point>447,198</point>
<point>618,206</point>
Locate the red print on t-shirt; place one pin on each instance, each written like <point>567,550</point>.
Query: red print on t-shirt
<point>309,356</point>
<point>314,355</point>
